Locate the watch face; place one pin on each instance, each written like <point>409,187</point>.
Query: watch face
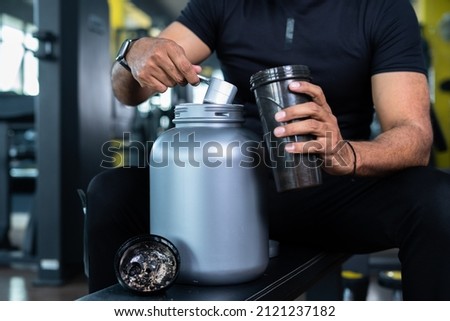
<point>123,49</point>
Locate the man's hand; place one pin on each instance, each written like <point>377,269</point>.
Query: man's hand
<point>159,63</point>
<point>337,156</point>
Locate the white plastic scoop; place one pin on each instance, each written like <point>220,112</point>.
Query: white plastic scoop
<point>219,91</point>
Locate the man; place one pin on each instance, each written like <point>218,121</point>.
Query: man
<point>362,54</point>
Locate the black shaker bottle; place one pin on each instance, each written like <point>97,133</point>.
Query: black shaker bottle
<point>271,90</point>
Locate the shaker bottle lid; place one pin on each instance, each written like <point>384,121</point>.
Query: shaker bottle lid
<point>146,264</point>
<point>279,73</point>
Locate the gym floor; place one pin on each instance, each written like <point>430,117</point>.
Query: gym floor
<point>17,283</point>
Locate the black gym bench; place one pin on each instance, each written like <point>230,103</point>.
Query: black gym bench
<point>292,273</point>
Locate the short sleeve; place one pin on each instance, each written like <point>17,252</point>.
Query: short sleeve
<point>203,17</point>
<point>396,39</point>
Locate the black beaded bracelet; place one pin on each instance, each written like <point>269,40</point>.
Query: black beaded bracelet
<point>354,156</point>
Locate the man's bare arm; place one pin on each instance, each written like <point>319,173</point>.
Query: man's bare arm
<point>402,103</point>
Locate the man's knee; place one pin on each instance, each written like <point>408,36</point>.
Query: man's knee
<point>425,184</point>
<point>427,190</point>
<point>118,199</point>
<point>119,184</point>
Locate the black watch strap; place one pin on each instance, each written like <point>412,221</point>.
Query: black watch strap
<point>124,64</point>
<point>126,45</point>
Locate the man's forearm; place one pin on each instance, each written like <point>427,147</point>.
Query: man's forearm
<point>126,89</point>
<point>398,148</point>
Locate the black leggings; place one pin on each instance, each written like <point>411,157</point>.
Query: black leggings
<point>409,210</point>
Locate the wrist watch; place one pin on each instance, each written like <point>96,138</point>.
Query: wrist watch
<point>126,45</point>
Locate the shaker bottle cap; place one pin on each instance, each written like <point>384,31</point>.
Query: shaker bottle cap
<point>147,263</point>
<point>279,73</point>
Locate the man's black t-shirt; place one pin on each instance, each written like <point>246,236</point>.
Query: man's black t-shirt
<point>344,43</point>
